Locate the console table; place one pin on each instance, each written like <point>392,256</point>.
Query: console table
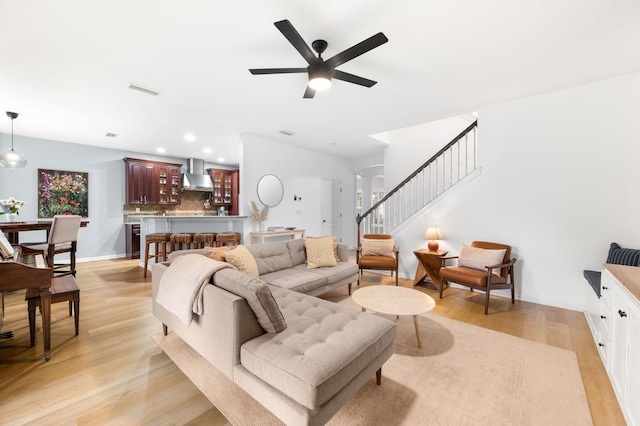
<point>261,236</point>
<point>429,263</point>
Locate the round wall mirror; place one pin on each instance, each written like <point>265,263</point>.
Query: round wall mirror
<point>270,190</point>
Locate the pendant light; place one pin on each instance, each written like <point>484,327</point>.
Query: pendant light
<point>11,159</point>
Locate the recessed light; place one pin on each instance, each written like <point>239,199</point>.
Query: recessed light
<point>220,160</point>
<point>161,150</point>
<point>287,132</point>
<point>189,137</point>
<point>207,150</point>
<point>141,89</point>
<point>111,135</point>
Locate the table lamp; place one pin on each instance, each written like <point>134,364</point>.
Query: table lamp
<point>433,234</point>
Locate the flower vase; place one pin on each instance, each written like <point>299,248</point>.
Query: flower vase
<point>10,217</point>
<point>262,227</point>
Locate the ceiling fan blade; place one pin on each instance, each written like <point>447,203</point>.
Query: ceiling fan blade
<point>345,76</point>
<point>357,50</point>
<point>256,71</point>
<point>309,93</point>
<point>296,40</point>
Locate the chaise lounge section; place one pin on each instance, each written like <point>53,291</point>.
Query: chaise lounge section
<point>307,371</point>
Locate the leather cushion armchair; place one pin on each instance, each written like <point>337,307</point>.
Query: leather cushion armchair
<point>476,277</point>
<point>492,277</point>
<point>387,261</point>
<point>378,262</point>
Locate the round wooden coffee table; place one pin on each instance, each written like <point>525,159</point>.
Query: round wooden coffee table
<point>397,301</point>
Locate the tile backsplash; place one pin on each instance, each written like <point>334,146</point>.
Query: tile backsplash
<point>192,203</point>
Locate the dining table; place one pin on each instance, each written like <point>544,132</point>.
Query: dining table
<point>16,275</point>
<point>13,229</point>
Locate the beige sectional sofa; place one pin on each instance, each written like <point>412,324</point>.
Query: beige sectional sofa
<point>316,362</point>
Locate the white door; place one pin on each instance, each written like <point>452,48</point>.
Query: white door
<point>330,208</point>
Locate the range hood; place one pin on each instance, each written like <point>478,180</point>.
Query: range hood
<point>196,179</point>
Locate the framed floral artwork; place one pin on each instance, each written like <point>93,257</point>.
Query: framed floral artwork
<point>62,192</point>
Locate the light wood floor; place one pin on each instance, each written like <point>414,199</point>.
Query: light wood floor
<point>113,372</point>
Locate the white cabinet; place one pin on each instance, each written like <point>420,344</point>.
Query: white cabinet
<point>633,368</point>
<point>592,308</point>
<point>618,334</point>
<point>599,316</point>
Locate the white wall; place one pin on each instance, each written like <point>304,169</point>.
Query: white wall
<point>367,160</point>
<point>559,183</point>
<point>301,172</point>
<point>411,147</point>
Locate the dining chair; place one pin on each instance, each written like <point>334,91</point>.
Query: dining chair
<point>63,289</point>
<point>63,238</point>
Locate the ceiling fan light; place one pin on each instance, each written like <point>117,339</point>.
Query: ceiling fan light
<point>319,83</point>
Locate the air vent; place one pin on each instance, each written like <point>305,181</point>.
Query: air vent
<point>143,89</point>
<point>111,135</point>
<point>287,132</point>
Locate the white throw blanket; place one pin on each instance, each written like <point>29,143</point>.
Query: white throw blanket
<point>182,285</point>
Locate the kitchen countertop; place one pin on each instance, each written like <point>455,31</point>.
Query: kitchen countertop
<point>628,276</point>
<point>134,219</point>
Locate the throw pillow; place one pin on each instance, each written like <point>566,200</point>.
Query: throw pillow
<point>319,252</point>
<point>257,295</point>
<point>622,256</point>
<point>375,247</point>
<point>335,246</point>
<point>216,253</point>
<point>242,259</point>
<point>478,258</point>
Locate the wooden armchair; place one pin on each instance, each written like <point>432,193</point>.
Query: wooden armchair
<point>377,251</point>
<point>482,267</point>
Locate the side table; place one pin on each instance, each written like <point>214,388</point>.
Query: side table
<point>429,263</point>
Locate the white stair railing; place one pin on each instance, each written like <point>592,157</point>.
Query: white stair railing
<point>448,166</point>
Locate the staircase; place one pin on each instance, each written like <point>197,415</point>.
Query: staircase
<point>450,165</point>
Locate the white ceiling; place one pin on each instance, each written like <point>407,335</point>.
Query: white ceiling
<point>66,65</point>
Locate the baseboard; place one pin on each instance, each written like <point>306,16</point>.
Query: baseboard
<point>108,257</point>
<point>506,294</point>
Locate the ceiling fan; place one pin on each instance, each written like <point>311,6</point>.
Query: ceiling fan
<point>320,71</point>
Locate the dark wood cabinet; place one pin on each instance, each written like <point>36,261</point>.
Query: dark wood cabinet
<point>141,183</point>
<point>235,190</point>
<point>169,191</point>
<point>152,182</point>
<point>132,237</point>
<point>226,186</point>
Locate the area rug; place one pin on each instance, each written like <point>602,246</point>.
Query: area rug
<point>463,375</point>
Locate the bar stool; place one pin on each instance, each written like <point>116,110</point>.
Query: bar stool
<point>204,238</point>
<point>156,239</point>
<point>178,240</point>
<point>226,238</point>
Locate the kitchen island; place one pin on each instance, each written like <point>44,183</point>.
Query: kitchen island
<point>186,223</point>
